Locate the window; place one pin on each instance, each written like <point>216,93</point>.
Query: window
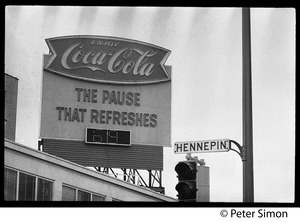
<point>10,184</point>
<point>44,191</point>
<point>68,194</point>
<point>26,187</point>
<point>83,196</point>
<point>97,198</point>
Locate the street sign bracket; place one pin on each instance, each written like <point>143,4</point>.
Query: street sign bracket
<point>242,149</point>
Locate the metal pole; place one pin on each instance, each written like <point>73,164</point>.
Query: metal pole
<point>248,185</point>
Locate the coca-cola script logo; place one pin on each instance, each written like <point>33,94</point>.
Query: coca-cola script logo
<point>107,59</point>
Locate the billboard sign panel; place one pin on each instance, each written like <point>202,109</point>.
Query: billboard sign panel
<point>80,91</point>
<point>107,60</point>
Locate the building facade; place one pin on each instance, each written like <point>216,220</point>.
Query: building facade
<point>31,175</point>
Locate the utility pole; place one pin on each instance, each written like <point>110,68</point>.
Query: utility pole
<point>248,185</point>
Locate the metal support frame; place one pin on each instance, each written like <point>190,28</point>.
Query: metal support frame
<point>134,176</point>
<point>156,177</point>
<point>242,150</point>
<point>40,145</point>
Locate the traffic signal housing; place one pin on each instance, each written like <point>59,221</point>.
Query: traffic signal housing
<point>187,181</point>
<point>193,181</point>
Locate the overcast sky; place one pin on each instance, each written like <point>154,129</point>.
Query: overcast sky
<point>206,60</point>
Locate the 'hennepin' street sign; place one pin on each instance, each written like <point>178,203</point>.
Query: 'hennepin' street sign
<point>203,146</point>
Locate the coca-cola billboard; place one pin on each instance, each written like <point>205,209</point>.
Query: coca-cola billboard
<point>106,83</point>
<point>107,60</point>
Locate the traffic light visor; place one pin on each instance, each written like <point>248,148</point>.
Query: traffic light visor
<point>186,170</point>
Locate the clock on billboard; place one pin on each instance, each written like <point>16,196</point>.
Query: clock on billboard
<point>108,137</point>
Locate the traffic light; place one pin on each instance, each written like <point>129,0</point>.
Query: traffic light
<point>187,181</point>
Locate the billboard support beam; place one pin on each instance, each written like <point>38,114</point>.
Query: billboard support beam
<point>40,145</point>
<point>133,176</point>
